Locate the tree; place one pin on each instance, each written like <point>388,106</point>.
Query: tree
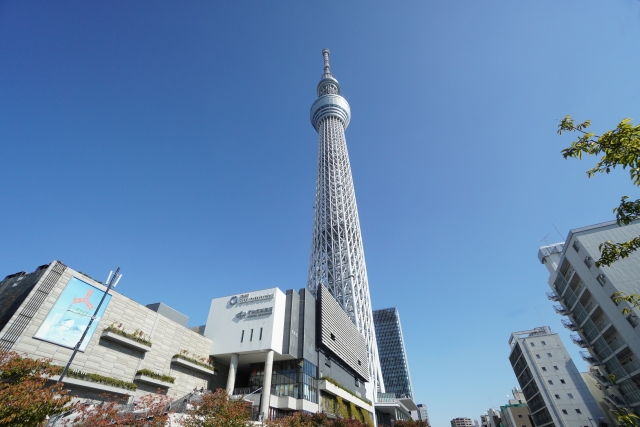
<point>618,147</point>
<point>625,418</point>
<point>299,419</point>
<point>218,409</point>
<point>151,411</point>
<point>25,397</point>
<point>411,423</point>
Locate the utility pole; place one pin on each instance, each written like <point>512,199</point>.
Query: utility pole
<point>112,281</point>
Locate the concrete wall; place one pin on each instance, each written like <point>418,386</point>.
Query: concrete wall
<point>110,358</point>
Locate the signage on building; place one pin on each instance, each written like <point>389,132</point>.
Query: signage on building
<point>245,298</point>
<point>70,315</point>
<point>255,313</point>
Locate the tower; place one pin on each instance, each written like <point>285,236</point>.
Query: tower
<point>337,255</point>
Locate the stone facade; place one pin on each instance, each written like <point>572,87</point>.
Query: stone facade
<point>111,356</point>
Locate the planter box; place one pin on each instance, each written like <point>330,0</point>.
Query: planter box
<point>193,366</point>
<point>337,391</point>
<point>96,386</point>
<point>127,342</point>
<point>152,381</point>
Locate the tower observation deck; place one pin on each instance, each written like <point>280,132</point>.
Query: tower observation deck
<point>337,255</point>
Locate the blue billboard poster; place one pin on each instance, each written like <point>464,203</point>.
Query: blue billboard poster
<point>70,315</point>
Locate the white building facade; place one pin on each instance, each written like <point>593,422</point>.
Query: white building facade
<point>555,392</point>
<point>610,337</point>
<point>288,351</point>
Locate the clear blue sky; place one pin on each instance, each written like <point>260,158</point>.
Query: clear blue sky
<point>172,139</point>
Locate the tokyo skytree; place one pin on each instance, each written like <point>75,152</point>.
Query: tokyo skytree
<point>337,255</point>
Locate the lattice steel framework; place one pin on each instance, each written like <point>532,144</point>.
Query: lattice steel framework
<point>337,255</point>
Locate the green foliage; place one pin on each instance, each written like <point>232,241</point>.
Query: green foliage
<point>219,410</point>
<point>617,147</point>
<point>342,408</point>
<point>411,423</point>
<point>100,379</point>
<point>367,418</point>
<point>355,413</point>
<point>625,418</point>
<point>337,384</point>
<point>200,361</point>
<point>136,335</point>
<point>25,397</point>
<point>150,373</point>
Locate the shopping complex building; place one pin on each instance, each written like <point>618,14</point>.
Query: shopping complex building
<point>283,351</point>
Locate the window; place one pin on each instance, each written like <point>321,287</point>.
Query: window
<point>357,382</point>
<point>555,367</point>
<point>562,381</point>
<point>633,320</point>
<point>602,279</point>
<point>550,382</point>
<point>333,337</point>
<point>260,334</point>
<point>570,396</point>
<point>557,396</point>
<point>549,354</point>
<point>543,343</point>
<point>327,361</point>
<point>578,411</point>
<point>615,300</point>
<point>564,411</point>
<point>537,356</point>
<point>575,246</point>
<point>519,416</point>
<point>532,344</point>
<point>251,336</point>
<point>544,369</point>
<point>242,336</point>
<point>587,261</point>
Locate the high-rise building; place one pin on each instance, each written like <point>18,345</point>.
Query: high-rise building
<point>393,356</point>
<point>608,333</point>
<point>461,422</point>
<point>556,393</point>
<point>516,412</point>
<point>337,256</point>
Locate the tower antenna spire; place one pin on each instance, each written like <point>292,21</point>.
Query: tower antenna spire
<point>327,67</point>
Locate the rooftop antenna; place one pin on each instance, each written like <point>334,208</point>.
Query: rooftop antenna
<point>545,239</point>
<point>554,226</point>
<point>112,281</point>
<point>539,317</point>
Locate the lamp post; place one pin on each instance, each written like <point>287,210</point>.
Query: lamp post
<point>112,281</point>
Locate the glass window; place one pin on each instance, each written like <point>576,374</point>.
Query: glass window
<point>555,367</point>
<point>564,411</point>
<point>550,382</point>
<point>260,333</point>
<point>562,381</point>
<point>549,354</point>
<point>570,395</point>
<point>557,396</point>
<point>543,343</point>
<point>519,416</point>
<point>532,344</point>
<point>578,411</point>
<point>544,369</point>
<point>537,356</point>
<point>242,336</point>
<point>251,336</point>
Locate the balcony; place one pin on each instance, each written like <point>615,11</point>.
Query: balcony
<point>553,296</point>
<point>560,310</point>
<point>587,357</point>
<point>632,366</point>
<point>616,344</point>
<point>603,324</point>
<point>601,379</point>
<point>578,340</point>
<point>569,325</point>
